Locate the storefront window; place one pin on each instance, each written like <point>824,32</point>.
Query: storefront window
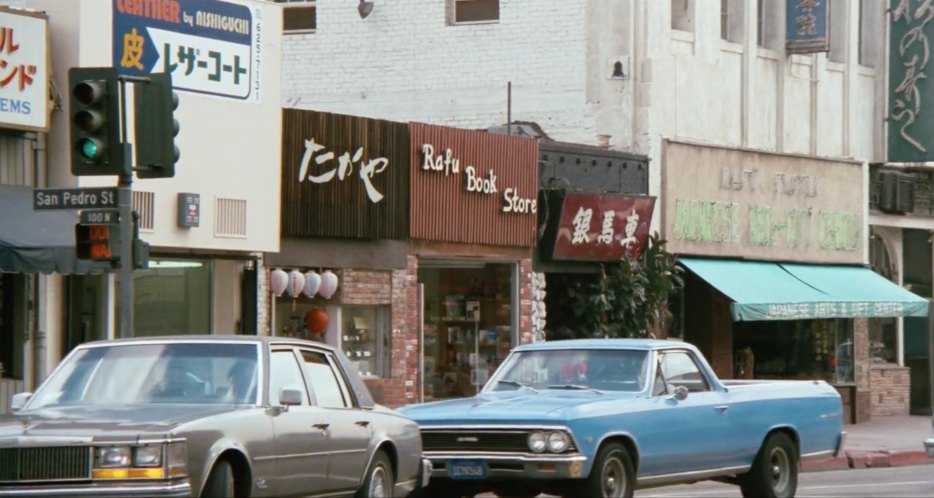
<point>366,338</point>
<point>882,340</point>
<point>172,297</point>
<point>798,350</point>
<point>468,327</point>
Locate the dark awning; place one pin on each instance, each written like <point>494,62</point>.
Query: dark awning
<point>763,290</point>
<point>38,241</point>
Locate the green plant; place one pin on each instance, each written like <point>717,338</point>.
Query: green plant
<point>630,298</point>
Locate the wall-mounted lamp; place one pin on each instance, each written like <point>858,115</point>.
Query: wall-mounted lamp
<point>619,67</point>
<point>364,8</point>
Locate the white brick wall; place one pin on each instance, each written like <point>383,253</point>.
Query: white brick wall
<point>404,62</point>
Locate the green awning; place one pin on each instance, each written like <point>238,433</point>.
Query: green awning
<point>763,290</point>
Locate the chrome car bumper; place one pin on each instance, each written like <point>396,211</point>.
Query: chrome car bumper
<point>929,446</point>
<point>426,472</point>
<point>498,466</point>
<point>99,489</point>
<point>838,452</point>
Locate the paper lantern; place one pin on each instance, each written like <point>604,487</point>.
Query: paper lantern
<point>328,284</point>
<point>312,283</point>
<point>278,281</point>
<point>296,283</point>
<point>316,320</point>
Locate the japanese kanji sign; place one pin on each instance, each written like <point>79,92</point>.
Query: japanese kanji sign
<point>24,63</point>
<point>806,26</point>
<point>909,129</point>
<point>208,46</point>
<point>603,227</point>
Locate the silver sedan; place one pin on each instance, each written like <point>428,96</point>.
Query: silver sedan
<point>207,416</point>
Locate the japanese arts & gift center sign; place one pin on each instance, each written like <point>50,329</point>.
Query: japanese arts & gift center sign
<point>208,46</point>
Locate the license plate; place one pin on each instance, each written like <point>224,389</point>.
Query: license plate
<point>466,469</point>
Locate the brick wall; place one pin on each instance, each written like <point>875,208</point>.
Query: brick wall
<point>890,391</point>
<point>397,288</point>
<point>406,63</point>
<point>525,301</point>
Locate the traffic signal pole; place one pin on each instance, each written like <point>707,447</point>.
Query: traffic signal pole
<point>100,147</point>
<point>125,208</point>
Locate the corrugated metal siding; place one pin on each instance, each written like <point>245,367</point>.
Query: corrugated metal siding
<point>17,160</point>
<point>341,207</point>
<point>442,208</point>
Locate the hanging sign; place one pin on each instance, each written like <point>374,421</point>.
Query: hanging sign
<point>603,227</point>
<point>806,29</point>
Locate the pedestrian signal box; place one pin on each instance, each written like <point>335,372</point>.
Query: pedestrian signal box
<point>97,242</point>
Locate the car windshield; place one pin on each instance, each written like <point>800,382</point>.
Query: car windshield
<point>601,369</point>
<point>153,373</point>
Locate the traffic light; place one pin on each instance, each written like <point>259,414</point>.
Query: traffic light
<point>140,247</point>
<point>94,104</point>
<point>156,127</point>
<point>97,242</point>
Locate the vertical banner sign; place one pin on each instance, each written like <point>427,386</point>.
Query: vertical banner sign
<point>208,46</point>
<point>806,29</point>
<point>24,70</point>
<point>909,129</point>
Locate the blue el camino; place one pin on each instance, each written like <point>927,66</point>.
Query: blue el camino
<point>604,417</point>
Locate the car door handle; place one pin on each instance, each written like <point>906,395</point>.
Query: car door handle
<point>721,408</point>
<point>322,427</point>
<point>363,423</point>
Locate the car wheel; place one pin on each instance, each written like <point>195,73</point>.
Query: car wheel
<point>221,482</point>
<point>379,481</point>
<point>774,472</point>
<point>612,475</point>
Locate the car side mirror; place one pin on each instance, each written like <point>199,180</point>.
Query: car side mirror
<point>18,401</point>
<point>290,396</point>
<point>680,394</point>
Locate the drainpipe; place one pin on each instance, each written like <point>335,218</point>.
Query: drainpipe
<point>34,287</point>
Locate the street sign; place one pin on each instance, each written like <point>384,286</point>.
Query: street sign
<point>75,198</point>
<point>100,216</point>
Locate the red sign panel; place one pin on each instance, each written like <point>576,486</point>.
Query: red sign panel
<point>603,227</point>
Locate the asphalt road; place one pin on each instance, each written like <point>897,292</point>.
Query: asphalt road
<point>906,482</point>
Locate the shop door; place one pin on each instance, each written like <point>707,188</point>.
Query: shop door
<point>467,327</point>
<point>7,332</point>
<point>918,360</point>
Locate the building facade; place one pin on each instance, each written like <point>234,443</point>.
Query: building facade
<point>681,82</point>
<point>429,231</point>
<point>207,226</point>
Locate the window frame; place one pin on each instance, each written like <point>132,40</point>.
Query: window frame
<point>295,5</point>
<point>307,400</point>
<point>684,21</point>
<point>343,385</point>
<point>452,20</point>
<point>660,373</point>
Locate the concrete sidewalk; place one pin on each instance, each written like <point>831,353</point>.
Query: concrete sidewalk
<point>882,442</point>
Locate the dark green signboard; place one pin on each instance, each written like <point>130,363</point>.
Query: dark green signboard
<point>911,90</point>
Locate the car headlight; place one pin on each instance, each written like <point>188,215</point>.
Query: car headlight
<point>147,456</point>
<point>557,442</point>
<point>537,442</point>
<point>112,456</point>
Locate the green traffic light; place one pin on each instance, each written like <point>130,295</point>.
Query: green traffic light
<point>91,149</point>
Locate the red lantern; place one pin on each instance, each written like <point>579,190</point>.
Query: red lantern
<point>316,320</point>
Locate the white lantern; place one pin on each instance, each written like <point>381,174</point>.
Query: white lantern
<point>328,284</point>
<point>296,283</point>
<point>312,283</point>
<point>278,281</point>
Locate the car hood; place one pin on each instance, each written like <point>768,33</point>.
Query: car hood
<point>82,422</point>
<point>527,406</point>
